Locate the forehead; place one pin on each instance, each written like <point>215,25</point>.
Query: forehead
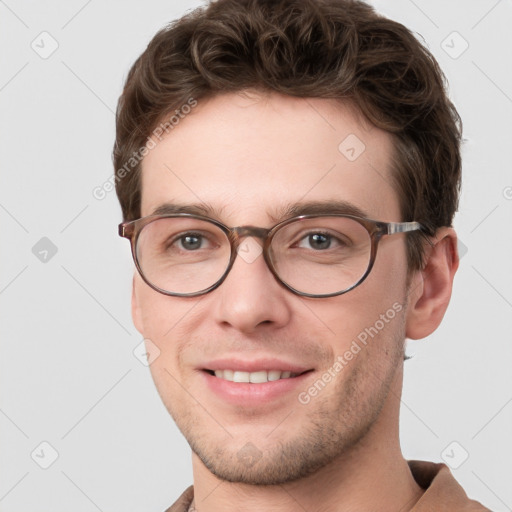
<point>248,157</point>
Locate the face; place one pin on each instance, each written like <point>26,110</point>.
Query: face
<point>249,158</point>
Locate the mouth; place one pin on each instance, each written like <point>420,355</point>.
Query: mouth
<point>262,381</point>
<point>256,377</point>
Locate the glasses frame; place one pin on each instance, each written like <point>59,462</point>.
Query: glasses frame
<point>376,229</point>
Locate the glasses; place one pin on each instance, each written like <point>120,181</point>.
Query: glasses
<point>316,256</point>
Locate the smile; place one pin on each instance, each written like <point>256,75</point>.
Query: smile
<point>258,377</point>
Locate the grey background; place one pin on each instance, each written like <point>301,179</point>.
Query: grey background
<point>68,375</point>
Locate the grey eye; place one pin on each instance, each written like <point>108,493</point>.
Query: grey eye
<point>191,242</point>
<point>319,241</point>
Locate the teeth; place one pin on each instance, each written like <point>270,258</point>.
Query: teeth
<point>274,375</point>
<point>241,377</point>
<point>258,377</point>
<point>253,377</point>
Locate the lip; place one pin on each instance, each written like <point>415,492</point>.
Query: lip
<point>254,365</point>
<point>252,395</point>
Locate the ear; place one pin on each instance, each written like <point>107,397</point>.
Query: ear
<point>136,310</point>
<point>431,288</point>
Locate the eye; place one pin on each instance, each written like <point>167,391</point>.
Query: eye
<point>318,241</point>
<point>190,242</point>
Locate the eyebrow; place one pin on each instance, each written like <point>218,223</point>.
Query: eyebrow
<point>315,207</point>
<point>194,208</point>
<point>276,215</point>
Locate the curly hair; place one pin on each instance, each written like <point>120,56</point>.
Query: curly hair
<point>339,49</point>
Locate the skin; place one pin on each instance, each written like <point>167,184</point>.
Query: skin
<point>248,156</point>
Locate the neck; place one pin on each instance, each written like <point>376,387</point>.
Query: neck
<point>373,475</point>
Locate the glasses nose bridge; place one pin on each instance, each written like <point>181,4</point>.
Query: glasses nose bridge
<point>237,234</point>
<point>245,231</point>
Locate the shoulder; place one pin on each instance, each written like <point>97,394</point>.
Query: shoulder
<point>442,491</point>
<point>183,502</point>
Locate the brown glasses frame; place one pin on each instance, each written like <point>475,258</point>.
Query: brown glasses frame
<point>376,229</point>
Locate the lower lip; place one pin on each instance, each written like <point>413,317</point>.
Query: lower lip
<point>248,394</point>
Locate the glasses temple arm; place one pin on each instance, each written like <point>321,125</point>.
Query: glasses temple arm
<point>403,227</point>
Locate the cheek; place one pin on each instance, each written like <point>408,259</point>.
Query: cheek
<point>365,327</point>
<point>155,315</point>
<point>158,313</point>
<point>168,322</point>
<point>375,304</point>
<point>387,282</point>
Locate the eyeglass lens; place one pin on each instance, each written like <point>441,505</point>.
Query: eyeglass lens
<point>320,256</point>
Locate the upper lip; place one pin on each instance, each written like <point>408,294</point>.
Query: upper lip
<point>254,365</point>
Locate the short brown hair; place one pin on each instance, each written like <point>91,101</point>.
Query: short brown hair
<point>338,49</point>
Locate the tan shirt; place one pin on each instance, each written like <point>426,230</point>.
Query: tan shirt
<point>442,492</point>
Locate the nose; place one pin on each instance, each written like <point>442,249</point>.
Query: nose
<point>250,298</point>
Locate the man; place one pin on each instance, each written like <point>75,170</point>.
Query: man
<point>288,174</point>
